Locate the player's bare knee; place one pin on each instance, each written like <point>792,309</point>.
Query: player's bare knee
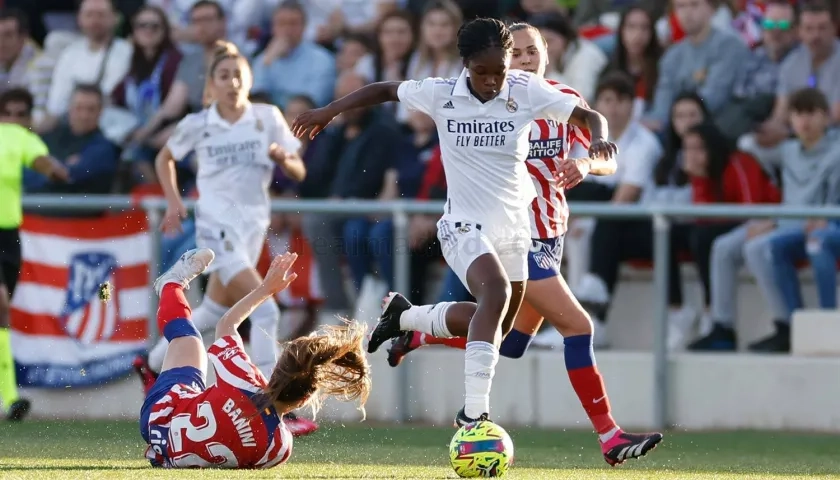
<point>579,323</point>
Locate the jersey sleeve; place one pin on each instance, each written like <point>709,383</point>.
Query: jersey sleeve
<point>31,147</point>
<point>281,134</point>
<point>549,102</point>
<point>234,367</point>
<point>419,95</point>
<point>185,137</point>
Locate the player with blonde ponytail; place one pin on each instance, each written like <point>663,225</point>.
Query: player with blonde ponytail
<point>237,145</point>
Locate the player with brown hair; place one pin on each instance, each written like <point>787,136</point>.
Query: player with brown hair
<point>237,422</point>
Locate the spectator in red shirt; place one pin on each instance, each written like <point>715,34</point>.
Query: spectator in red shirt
<point>719,174</point>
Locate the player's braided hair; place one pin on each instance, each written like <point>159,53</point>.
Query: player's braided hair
<point>328,363</point>
<point>480,34</point>
<point>222,51</point>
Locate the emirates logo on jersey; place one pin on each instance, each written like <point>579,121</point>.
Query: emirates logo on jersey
<point>550,148</point>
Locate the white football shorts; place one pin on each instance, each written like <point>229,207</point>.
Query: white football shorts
<point>462,242</point>
<point>236,248</point>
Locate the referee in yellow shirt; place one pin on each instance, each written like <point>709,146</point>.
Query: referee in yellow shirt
<point>19,148</point>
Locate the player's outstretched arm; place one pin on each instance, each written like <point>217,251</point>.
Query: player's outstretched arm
<point>601,151</point>
<point>276,280</point>
<point>316,120</point>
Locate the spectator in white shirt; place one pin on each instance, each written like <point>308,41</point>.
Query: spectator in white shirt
<point>573,60</point>
<point>242,17</point>
<point>638,147</point>
<point>638,152</point>
<point>329,20</point>
<point>98,59</point>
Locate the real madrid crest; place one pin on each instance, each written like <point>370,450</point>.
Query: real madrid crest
<point>259,125</point>
<point>464,229</point>
<point>511,105</point>
<point>228,246</point>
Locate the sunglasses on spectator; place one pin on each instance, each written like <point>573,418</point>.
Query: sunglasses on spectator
<point>768,24</point>
<point>152,26</point>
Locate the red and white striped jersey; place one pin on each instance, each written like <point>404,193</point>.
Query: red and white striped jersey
<point>220,426</point>
<point>551,143</point>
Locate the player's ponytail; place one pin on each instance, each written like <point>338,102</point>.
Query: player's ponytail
<point>329,363</point>
<point>221,51</point>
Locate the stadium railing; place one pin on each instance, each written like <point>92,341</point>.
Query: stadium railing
<point>662,216</point>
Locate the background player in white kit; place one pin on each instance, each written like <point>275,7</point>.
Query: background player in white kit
<point>548,296</point>
<point>483,120</point>
<point>237,145</point>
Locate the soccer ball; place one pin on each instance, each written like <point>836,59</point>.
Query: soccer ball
<point>481,449</point>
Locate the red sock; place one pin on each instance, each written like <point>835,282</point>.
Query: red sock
<point>173,305</point>
<point>454,342</point>
<point>589,387</point>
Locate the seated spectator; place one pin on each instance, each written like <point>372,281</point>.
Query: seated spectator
<point>638,148</point>
<point>437,49</point>
<point>638,152</point>
<point>706,61</point>
<point>154,64</point>
<point>572,60</point>
<point>821,248</point>
<point>615,241</point>
<point>242,21</point>
<point>207,22</point>
<point>353,48</point>
<point>392,50</point>
<point>719,174</point>
<point>349,162</point>
<point>407,169</point>
<point>758,81</point>
<point>17,50</point>
<point>16,106</point>
<point>291,65</point>
<point>333,19</point>
<point>97,59</point>
<point>41,71</point>
<point>79,145</point>
<point>810,167</point>
<point>637,54</point>
<point>814,64</point>
<point>669,27</point>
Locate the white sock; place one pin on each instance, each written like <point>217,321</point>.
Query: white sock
<point>480,361</point>
<point>208,314</point>
<point>264,346</point>
<point>430,319</point>
<point>205,317</point>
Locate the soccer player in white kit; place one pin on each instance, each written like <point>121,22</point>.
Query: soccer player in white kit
<point>237,146</point>
<point>483,120</point>
<point>548,296</point>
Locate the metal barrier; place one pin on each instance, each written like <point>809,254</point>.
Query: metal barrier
<point>661,215</point>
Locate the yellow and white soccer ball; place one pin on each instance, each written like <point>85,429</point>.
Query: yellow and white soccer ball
<point>481,449</point>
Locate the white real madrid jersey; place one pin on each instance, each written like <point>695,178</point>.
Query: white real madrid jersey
<point>484,145</point>
<point>234,169</point>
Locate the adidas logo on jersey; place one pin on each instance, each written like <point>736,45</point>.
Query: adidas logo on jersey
<point>448,105</point>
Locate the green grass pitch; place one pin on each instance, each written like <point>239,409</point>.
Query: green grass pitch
<point>103,449</point>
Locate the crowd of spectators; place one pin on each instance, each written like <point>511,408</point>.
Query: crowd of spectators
<point>710,101</point>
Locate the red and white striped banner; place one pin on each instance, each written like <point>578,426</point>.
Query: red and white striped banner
<point>62,333</point>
